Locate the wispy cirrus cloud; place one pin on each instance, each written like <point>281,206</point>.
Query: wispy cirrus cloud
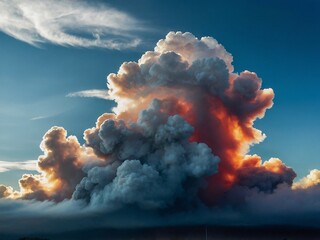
<point>94,93</point>
<point>69,23</point>
<point>38,118</point>
<point>30,165</point>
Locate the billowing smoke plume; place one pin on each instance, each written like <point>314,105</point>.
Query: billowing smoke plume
<point>313,179</point>
<point>150,163</point>
<point>60,167</point>
<point>195,79</point>
<point>178,138</point>
<point>5,191</point>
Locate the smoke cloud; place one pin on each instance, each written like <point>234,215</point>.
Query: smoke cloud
<point>152,156</point>
<point>175,149</point>
<point>312,179</point>
<point>5,191</point>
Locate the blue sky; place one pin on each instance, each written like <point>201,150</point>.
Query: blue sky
<point>279,40</point>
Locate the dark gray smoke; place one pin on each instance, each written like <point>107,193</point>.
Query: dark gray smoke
<point>150,163</point>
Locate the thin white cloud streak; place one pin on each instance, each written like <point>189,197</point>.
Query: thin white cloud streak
<point>94,93</point>
<point>38,118</point>
<point>29,165</point>
<point>69,23</point>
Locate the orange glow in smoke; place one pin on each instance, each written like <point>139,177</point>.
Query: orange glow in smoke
<point>227,136</point>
